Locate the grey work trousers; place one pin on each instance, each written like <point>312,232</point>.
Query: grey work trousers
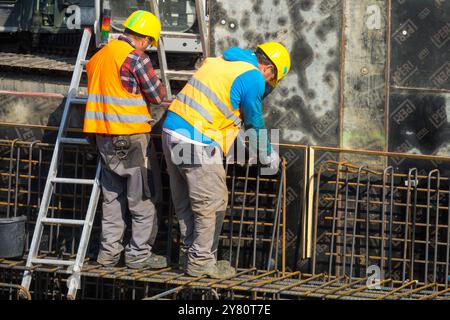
<point>128,184</point>
<point>199,195</point>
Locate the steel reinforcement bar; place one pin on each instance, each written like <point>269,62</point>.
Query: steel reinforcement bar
<point>249,283</point>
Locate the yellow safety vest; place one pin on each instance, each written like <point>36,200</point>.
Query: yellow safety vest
<point>111,109</point>
<point>205,102</point>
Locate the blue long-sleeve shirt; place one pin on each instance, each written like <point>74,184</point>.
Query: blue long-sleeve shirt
<point>246,93</point>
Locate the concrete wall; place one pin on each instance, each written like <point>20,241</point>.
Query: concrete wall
<point>355,62</point>
<point>306,104</point>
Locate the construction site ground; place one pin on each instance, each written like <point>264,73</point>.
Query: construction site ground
<point>254,284</point>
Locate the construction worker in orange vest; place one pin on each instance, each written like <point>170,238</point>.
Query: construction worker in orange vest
<point>202,124</point>
<point>121,86</point>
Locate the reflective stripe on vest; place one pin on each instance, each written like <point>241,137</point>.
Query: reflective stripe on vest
<point>195,105</point>
<point>98,98</point>
<point>100,116</point>
<point>213,97</point>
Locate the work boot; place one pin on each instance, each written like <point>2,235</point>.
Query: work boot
<point>225,267</point>
<point>152,262</point>
<point>219,270</point>
<point>107,261</point>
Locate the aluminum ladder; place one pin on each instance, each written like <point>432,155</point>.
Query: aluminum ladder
<point>74,266</point>
<point>167,74</point>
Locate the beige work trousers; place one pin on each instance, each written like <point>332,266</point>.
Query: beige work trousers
<point>200,197</point>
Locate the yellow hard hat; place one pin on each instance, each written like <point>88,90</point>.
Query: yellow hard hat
<point>144,23</point>
<point>278,54</point>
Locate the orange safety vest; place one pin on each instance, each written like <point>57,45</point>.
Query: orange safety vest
<point>205,102</point>
<point>111,109</point>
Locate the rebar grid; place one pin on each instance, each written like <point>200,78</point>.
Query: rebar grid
<point>24,168</point>
<point>377,218</point>
<point>252,220</point>
<point>367,220</point>
<point>253,235</point>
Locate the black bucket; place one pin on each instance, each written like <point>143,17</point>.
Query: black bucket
<point>12,237</point>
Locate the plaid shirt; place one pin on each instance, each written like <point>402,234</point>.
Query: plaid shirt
<point>138,77</point>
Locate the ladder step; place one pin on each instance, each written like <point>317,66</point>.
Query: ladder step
<point>53,262</point>
<point>84,62</point>
<point>73,181</point>
<point>65,222</point>
<point>172,34</point>
<point>179,74</point>
<point>82,141</point>
<point>79,99</point>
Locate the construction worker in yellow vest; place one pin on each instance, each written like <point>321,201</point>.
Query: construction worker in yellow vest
<point>121,86</point>
<point>201,125</point>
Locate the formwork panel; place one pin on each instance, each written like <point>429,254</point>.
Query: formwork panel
<point>364,83</point>
<point>419,72</point>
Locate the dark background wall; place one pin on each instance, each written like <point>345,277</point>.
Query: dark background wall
<point>420,77</point>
